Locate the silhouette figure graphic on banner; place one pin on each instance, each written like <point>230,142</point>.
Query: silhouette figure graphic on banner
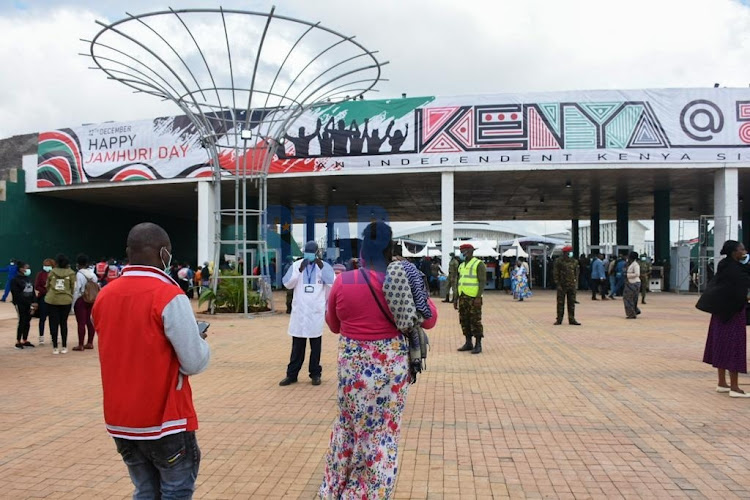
<point>398,139</point>
<point>340,138</point>
<point>326,143</point>
<point>374,141</point>
<point>356,140</point>
<point>302,143</point>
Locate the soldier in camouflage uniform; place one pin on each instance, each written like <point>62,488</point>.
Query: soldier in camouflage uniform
<point>452,279</point>
<point>645,276</point>
<point>566,279</point>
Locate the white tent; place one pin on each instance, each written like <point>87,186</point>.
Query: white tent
<point>429,250</point>
<point>515,250</point>
<point>482,248</point>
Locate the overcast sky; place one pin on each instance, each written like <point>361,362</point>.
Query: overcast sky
<point>435,47</point>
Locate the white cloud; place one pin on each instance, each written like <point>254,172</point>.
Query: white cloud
<point>435,48</point>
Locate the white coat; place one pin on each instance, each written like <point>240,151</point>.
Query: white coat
<point>311,289</point>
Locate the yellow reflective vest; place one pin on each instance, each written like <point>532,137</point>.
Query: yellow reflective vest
<point>468,281</point>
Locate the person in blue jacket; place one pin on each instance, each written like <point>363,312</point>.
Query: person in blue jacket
<point>12,271</point>
<point>598,278</point>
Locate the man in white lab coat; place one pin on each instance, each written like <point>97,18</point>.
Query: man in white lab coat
<point>311,279</point>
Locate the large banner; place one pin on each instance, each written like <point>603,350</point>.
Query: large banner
<point>576,129</point>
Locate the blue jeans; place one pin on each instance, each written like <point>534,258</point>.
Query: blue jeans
<point>619,285</point>
<point>164,468</point>
<point>612,287</point>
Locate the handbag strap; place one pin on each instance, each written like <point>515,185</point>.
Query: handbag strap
<point>375,297</point>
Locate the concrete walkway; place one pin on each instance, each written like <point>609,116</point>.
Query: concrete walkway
<point>611,409</point>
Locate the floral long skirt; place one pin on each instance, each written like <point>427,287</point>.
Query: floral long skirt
<point>362,457</point>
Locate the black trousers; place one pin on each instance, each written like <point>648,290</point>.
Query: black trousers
<point>24,322</point>
<point>58,318</point>
<point>298,357</point>
<point>599,286</point>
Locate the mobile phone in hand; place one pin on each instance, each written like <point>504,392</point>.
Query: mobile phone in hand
<point>202,328</point>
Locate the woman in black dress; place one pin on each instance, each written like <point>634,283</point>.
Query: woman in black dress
<point>726,299</point>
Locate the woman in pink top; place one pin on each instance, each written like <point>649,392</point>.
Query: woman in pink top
<point>373,374</point>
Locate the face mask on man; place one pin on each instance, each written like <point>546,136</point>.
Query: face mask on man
<point>461,257</point>
<point>310,256</point>
<point>570,254</point>
<point>47,268</point>
<point>745,259</point>
<point>27,272</point>
<point>169,260</point>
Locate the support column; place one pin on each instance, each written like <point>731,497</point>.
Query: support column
<point>726,207</point>
<point>746,225</point>
<point>446,217</point>
<point>206,222</point>
<point>329,235</point>
<point>309,228</point>
<point>661,226</point>
<point>622,223</point>
<point>574,234</point>
<point>285,233</point>
<point>595,228</point>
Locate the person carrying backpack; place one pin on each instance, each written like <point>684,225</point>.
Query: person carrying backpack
<point>22,291</point>
<point>84,295</point>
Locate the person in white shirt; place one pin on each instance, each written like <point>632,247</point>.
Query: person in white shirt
<point>632,287</point>
<point>311,279</point>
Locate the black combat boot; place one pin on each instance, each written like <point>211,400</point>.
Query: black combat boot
<point>477,347</point>
<point>467,346</point>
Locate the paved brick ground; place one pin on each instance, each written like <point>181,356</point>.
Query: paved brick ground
<point>611,409</point>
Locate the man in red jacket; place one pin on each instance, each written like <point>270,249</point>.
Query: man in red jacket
<point>149,343</point>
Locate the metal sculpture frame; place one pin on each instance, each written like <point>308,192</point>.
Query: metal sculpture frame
<point>337,68</point>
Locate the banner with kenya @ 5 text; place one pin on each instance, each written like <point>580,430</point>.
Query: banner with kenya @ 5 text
<point>668,127</point>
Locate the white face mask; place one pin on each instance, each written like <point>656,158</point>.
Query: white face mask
<point>570,254</point>
<point>745,259</point>
<point>169,261</point>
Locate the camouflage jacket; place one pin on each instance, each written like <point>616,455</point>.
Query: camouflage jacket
<point>645,269</point>
<point>566,272</point>
<point>453,270</point>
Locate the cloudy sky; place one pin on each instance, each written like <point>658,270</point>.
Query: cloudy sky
<point>435,47</point>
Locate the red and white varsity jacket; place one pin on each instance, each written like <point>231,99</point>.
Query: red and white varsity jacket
<point>148,344</point>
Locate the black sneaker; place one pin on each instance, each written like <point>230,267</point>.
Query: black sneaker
<point>19,345</point>
<point>26,343</point>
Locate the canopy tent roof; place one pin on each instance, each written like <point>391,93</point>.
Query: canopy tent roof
<point>482,248</point>
<point>515,250</point>
<point>533,239</point>
<point>429,250</point>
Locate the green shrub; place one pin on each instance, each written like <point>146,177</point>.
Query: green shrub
<point>230,295</point>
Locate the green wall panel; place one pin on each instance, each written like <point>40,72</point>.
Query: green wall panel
<point>33,227</point>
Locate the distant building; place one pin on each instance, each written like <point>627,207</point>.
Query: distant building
<point>608,237</point>
<point>461,231</point>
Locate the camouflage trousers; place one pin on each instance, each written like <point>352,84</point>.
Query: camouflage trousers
<point>470,317</point>
<point>644,287</point>
<point>289,298</point>
<point>570,293</point>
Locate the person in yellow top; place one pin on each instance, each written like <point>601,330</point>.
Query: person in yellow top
<point>472,276</point>
<point>505,275</point>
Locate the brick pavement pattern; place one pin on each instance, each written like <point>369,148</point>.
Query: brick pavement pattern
<point>610,409</point>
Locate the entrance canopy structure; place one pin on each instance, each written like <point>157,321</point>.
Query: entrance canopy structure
<point>240,78</point>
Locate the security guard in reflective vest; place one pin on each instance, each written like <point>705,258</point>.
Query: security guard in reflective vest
<point>472,276</point>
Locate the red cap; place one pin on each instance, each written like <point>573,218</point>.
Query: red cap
<point>466,246</point>
<point>567,248</point>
